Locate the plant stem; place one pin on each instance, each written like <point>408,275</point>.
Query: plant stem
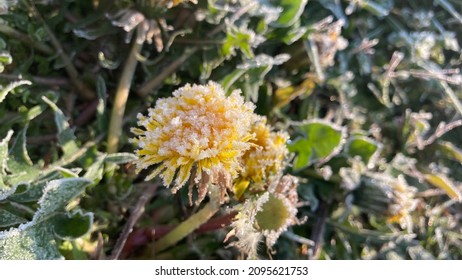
<point>192,223</point>
<point>121,96</point>
<point>82,89</point>
<point>13,33</point>
<point>155,82</point>
<point>317,235</point>
<point>138,210</point>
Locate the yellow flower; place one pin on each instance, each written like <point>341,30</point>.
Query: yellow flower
<point>265,160</point>
<point>198,127</point>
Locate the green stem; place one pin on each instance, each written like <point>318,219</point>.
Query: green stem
<point>192,223</point>
<point>13,33</point>
<point>121,96</point>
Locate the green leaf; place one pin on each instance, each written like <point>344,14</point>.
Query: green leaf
<point>19,163</point>
<point>72,226</point>
<point>120,158</point>
<point>66,138</point>
<point>366,148</point>
<point>57,194</point>
<point>9,219</point>
<point>292,10</point>
<point>322,141</point>
<point>444,183</point>
<point>34,190</point>
<point>28,242</point>
<point>35,240</point>
<point>229,79</point>
<point>451,151</point>
<point>4,91</point>
<point>256,70</point>
<point>375,8</point>
<point>240,38</point>
<point>5,191</point>
<point>5,58</point>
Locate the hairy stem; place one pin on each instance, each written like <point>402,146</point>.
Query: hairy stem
<point>192,223</point>
<point>121,96</point>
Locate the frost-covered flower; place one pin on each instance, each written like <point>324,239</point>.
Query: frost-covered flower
<point>198,127</point>
<point>265,160</point>
<point>265,216</point>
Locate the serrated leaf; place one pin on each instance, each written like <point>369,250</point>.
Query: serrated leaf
<point>364,147</point>
<point>8,219</point>
<point>66,138</point>
<point>120,158</point>
<point>322,141</point>
<point>444,183</point>
<point>72,226</point>
<point>292,10</point>
<point>57,194</point>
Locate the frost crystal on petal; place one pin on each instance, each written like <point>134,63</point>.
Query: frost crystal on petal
<point>198,127</point>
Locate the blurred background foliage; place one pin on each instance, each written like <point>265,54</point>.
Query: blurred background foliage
<point>369,90</point>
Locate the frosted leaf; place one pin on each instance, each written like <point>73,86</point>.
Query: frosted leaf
<point>57,193</point>
<point>262,60</point>
<point>66,137</point>
<point>5,191</point>
<point>35,239</point>
<point>31,242</point>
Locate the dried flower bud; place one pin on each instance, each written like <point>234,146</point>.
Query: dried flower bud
<point>267,215</point>
<point>387,196</point>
